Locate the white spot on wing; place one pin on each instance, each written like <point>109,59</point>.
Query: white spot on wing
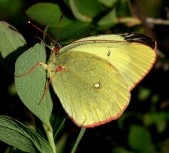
<point>96,85</point>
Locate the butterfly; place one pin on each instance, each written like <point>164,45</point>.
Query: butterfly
<point>93,76</point>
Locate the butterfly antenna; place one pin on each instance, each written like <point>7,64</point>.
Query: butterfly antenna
<point>45,43</point>
<point>44,32</point>
<point>58,30</point>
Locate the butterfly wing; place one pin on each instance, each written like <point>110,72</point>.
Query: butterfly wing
<point>91,90</point>
<point>132,55</point>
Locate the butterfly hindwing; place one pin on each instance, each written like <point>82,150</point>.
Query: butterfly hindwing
<point>91,90</point>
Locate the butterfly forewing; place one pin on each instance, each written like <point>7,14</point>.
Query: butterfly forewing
<point>133,59</point>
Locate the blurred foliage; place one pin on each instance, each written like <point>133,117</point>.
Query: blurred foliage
<point>143,128</point>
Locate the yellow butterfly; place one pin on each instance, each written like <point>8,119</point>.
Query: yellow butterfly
<point>93,76</point>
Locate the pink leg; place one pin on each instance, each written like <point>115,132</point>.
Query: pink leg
<point>33,68</point>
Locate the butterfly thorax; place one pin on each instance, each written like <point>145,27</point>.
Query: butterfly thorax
<point>53,67</point>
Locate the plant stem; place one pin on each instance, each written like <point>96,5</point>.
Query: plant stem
<point>49,134</point>
<point>81,133</point>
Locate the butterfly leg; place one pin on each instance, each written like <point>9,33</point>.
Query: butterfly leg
<point>45,90</point>
<point>33,68</point>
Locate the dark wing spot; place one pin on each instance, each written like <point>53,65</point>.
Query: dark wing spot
<point>141,38</point>
<point>108,53</point>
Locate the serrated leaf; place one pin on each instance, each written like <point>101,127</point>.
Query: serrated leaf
<point>44,13</point>
<point>18,135</point>
<point>31,86</point>
<point>11,39</point>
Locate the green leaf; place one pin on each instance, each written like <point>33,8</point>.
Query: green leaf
<point>12,44</point>
<point>11,39</point>
<point>123,8</point>
<point>18,135</point>
<point>44,13</point>
<point>71,31</point>
<point>49,14</point>
<point>108,3</point>
<point>140,139</point>
<point>159,119</point>
<point>144,93</point>
<point>109,19</point>
<point>79,10</point>
<point>31,81</point>
<point>10,10</point>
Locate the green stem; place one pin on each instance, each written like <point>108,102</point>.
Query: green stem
<point>81,133</point>
<point>49,134</point>
<point>61,125</point>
